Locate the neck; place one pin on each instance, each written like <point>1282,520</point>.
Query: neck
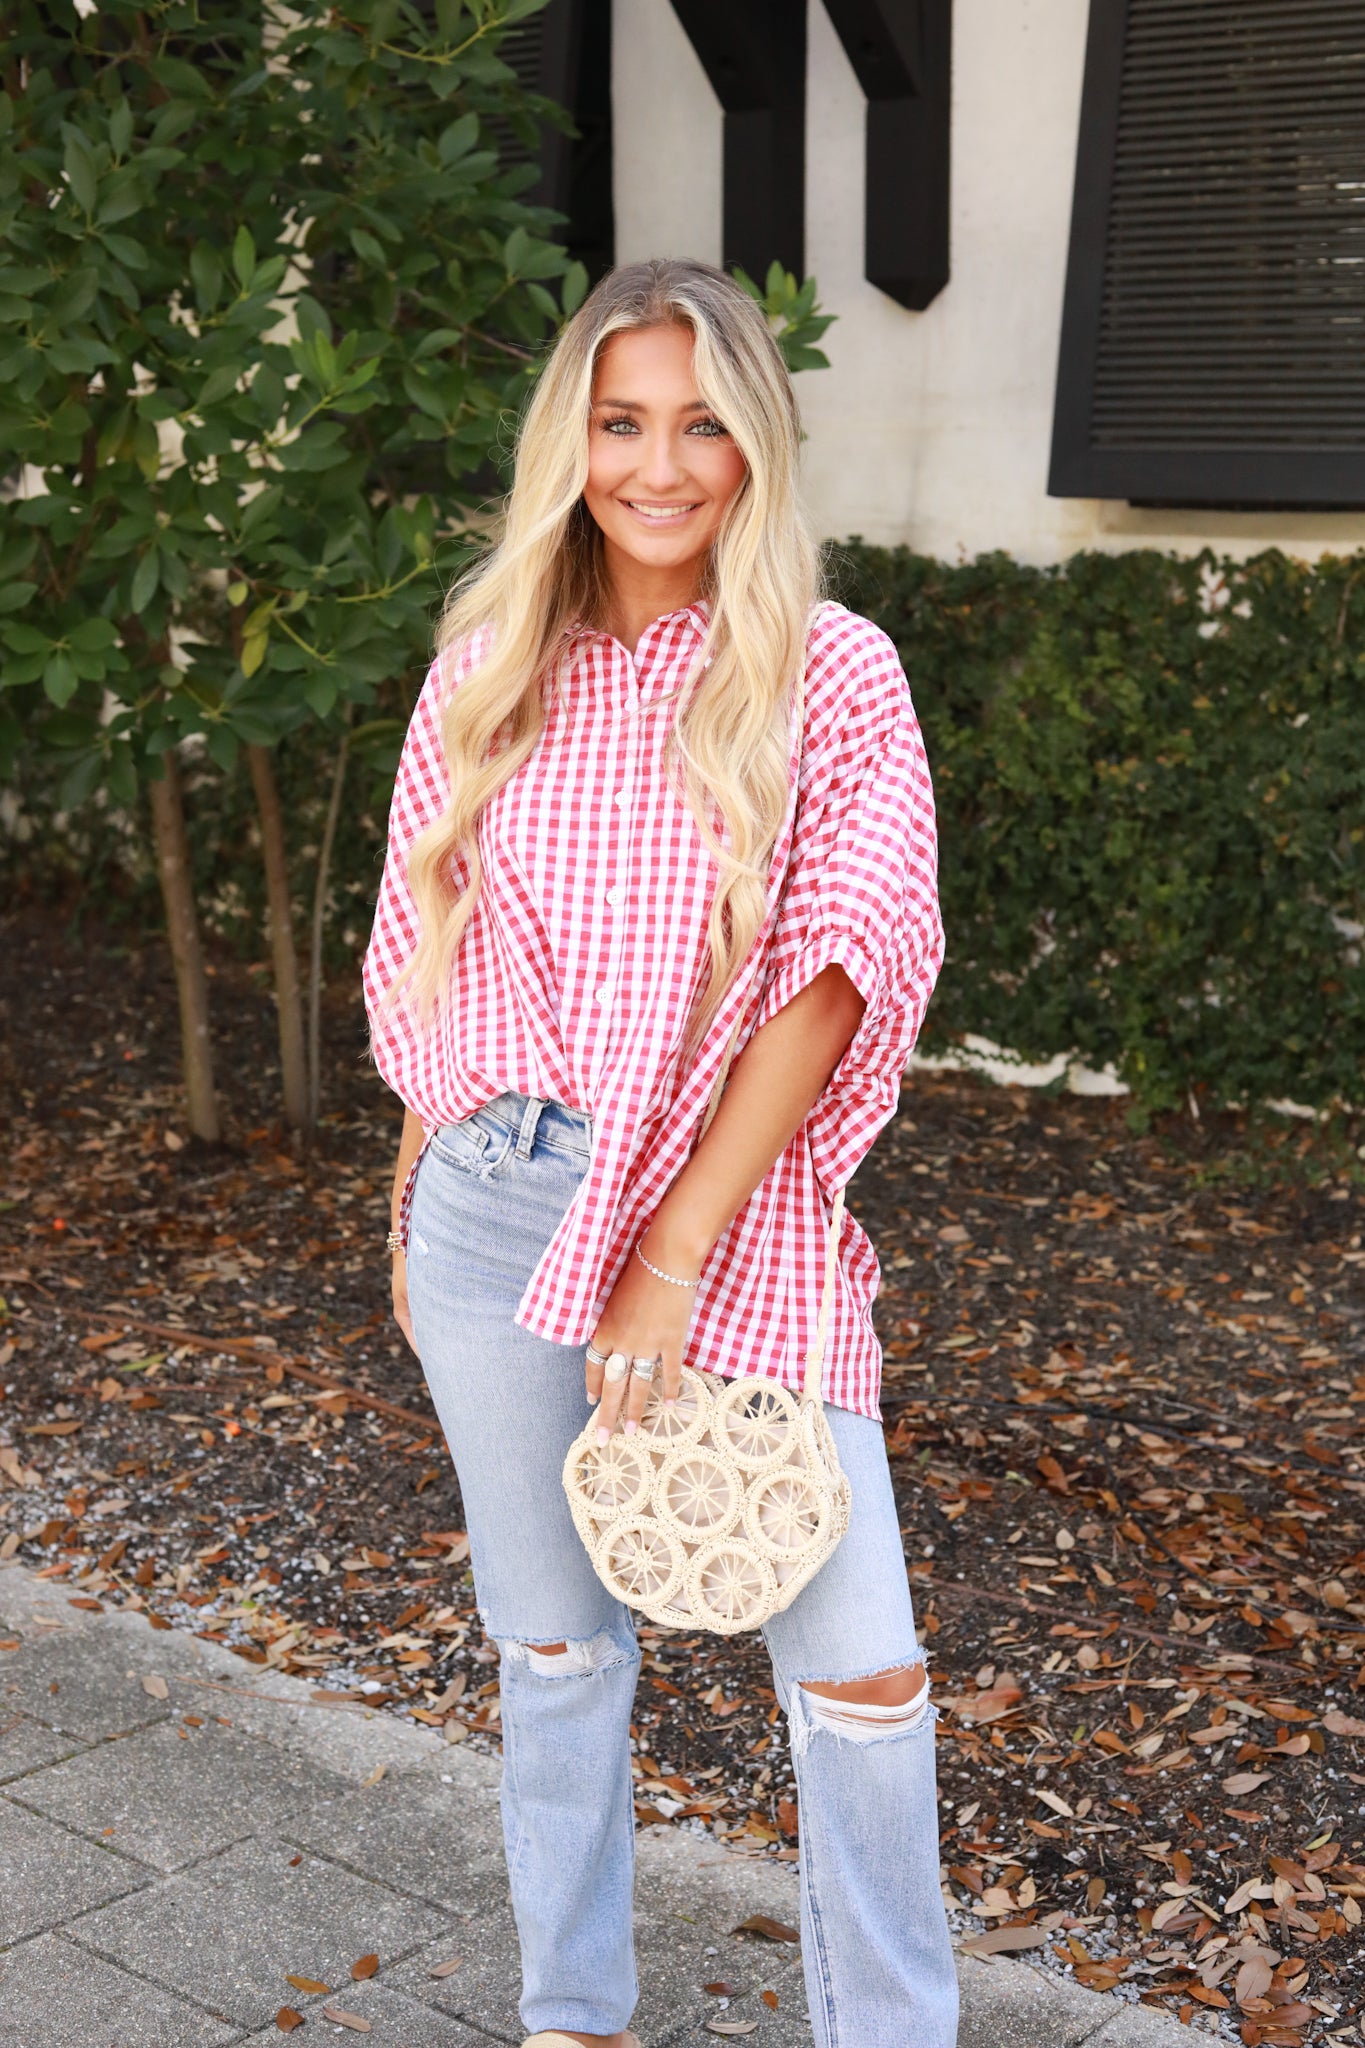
<point>638,594</point>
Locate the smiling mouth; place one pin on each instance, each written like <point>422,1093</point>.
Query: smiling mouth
<point>661,515</point>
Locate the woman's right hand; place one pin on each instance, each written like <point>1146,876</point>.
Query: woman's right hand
<point>400,1299</point>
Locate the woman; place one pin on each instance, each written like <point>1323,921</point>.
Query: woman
<point>654,796</point>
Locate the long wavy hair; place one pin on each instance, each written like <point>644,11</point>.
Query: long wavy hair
<point>728,746</point>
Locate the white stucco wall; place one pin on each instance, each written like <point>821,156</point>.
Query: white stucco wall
<point>930,428</point>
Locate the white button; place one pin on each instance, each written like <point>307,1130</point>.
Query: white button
<point>613,895</point>
<point>620,798</point>
<point>604,993</point>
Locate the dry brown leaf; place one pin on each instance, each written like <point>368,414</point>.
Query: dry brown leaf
<point>375,1775</point>
<point>17,1472</point>
<point>1004,1941</point>
<point>731,2026</point>
<point>155,1685</point>
<point>1245,1781</point>
<point>447,1968</point>
<point>1253,1979</point>
<point>993,1705</point>
<point>309,1984</point>
<point>286,2019</point>
<point>364,1966</point>
<point>769,1999</point>
<point>340,2018</point>
<point>1337,1723</point>
<point>771,1930</point>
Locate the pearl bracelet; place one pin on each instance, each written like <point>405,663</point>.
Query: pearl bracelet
<point>659,1274</point>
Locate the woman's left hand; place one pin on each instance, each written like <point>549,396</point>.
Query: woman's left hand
<point>645,1318</point>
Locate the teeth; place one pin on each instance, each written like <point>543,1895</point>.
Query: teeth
<point>660,511</point>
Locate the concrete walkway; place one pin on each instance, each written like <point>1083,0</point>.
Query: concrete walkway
<point>181,1833</point>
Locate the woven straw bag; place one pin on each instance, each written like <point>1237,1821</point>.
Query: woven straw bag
<point>720,1509</point>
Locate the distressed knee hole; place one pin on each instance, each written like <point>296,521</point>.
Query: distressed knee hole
<point>863,1710</point>
<point>567,1659</point>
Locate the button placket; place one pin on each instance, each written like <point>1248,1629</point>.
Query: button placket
<point>617,842</point>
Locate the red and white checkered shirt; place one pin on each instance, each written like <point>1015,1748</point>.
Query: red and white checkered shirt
<point>587,949</point>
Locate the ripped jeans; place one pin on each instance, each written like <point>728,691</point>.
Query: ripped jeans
<point>878,1967</point>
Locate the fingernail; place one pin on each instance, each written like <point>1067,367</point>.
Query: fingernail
<point>631,1426</point>
<point>603,1433</point>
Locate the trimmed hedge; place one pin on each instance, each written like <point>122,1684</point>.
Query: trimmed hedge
<point>1150,776</point>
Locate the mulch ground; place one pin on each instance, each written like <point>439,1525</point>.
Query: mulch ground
<point>1125,1388</point>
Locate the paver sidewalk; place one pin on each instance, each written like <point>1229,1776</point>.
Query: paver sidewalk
<point>180,1833</point>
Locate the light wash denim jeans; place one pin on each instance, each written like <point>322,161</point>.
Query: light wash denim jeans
<point>878,1966</point>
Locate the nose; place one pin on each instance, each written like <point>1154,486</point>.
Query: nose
<point>660,467</point>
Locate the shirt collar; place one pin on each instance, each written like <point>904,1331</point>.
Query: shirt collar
<point>699,613</point>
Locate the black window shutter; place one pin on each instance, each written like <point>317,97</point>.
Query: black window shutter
<point>1213,330</point>
<point>564,52</point>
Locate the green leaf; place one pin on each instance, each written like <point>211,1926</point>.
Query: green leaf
<point>25,639</point>
<point>321,694</point>
<point>77,358</point>
<point>218,385</point>
<point>222,746</point>
<point>14,596</point>
<point>92,636</point>
<point>146,578</point>
<point>237,594</point>
<point>60,679</point>
<point>183,80</point>
<point>122,776</point>
<point>80,781</point>
<point>79,170</point>
<point>574,289</point>
<point>207,272</point>
<point>526,256</point>
<point>310,317</point>
<point>458,139</point>
<point>369,249</point>
<point>243,256</point>
<point>253,652</point>
<point>120,128</point>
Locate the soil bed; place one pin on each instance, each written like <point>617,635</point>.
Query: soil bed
<point>1125,1387</point>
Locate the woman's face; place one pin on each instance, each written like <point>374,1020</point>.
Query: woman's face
<point>661,467</point>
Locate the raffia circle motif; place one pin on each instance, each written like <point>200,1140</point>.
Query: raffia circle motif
<point>719,1510</point>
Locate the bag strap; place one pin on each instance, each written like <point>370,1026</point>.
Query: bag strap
<point>813,1381</point>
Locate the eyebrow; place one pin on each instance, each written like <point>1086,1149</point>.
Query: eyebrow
<point>629,405</point>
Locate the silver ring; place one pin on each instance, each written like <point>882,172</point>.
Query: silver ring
<point>596,1357</point>
<point>618,1365</point>
<point>644,1369</point>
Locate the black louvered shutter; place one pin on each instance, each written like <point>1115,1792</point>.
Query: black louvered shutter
<point>1213,332</point>
<point>564,52</point>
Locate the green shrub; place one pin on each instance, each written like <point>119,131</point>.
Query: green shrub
<point>1150,776</point>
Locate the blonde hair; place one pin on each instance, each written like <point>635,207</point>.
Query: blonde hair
<point>545,575</point>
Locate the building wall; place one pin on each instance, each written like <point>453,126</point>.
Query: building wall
<point>930,428</point>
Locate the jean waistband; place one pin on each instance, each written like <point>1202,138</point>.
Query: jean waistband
<point>529,1116</point>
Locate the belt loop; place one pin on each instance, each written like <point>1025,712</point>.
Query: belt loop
<point>530,1117</point>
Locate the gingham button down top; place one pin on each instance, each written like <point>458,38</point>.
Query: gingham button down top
<point>587,948</point>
